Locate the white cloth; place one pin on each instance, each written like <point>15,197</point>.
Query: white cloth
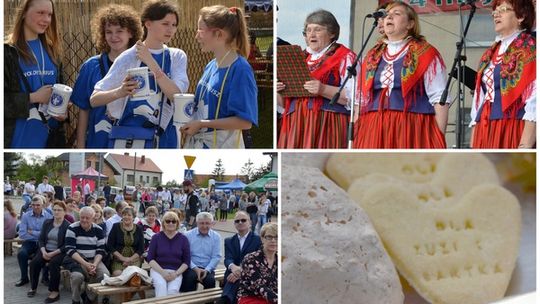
<point>345,62</point>
<point>163,288</point>
<point>242,240</point>
<point>86,189</point>
<point>530,101</point>
<point>126,275</point>
<point>111,221</point>
<point>263,208</point>
<point>29,189</point>
<point>42,188</point>
<point>433,83</point>
<point>127,60</point>
<point>225,139</point>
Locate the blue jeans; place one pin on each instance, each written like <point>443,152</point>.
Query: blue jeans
<point>253,218</point>
<point>28,248</point>
<point>262,221</point>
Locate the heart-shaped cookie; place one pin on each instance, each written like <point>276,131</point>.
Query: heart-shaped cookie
<point>454,253</point>
<point>452,177</point>
<point>345,168</point>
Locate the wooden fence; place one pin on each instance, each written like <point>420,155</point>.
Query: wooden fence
<point>74,18</point>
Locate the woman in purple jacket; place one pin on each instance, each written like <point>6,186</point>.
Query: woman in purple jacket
<point>168,256</point>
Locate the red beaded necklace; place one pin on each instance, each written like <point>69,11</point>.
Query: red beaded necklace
<point>389,57</point>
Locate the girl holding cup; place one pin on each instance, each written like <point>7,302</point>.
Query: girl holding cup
<point>115,28</point>
<point>32,66</point>
<point>226,95</point>
<point>151,114</point>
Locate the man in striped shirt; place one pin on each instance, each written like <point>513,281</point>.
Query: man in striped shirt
<point>85,249</point>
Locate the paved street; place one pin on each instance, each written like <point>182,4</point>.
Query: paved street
<point>17,295</point>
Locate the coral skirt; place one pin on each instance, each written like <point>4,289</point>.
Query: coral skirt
<point>389,129</point>
<point>496,134</point>
<point>313,129</point>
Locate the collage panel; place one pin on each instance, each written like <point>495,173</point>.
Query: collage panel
<point>408,228</point>
<point>175,74</point>
<point>406,74</point>
<point>141,227</point>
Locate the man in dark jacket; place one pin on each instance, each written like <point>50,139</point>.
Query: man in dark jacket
<point>192,203</point>
<point>236,248</point>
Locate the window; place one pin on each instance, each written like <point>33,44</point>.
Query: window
<point>131,178</point>
<point>147,179</point>
<point>88,163</point>
<point>140,178</point>
<point>97,166</point>
<point>155,180</point>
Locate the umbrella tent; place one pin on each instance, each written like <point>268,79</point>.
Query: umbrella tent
<point>90,175</point>
<point>256,5</point>
<point>265,183</point>
<point>234,185</point>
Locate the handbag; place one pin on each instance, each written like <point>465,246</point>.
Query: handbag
<point>130,137</point>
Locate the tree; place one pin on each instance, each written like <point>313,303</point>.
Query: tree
<point>248,170</point>
<point>38,167</point>
<point>12,162</point>
<point>219,171</point>
<point>172,184</point>
<point>262,171</point>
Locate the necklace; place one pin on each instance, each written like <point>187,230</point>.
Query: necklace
<point>41,67</point>
<point>206,80</point>
<point>222,59</point>
<point>389,57</point>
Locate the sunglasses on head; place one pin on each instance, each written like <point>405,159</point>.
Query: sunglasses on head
<point>240,221</point>
<point>170,221</point>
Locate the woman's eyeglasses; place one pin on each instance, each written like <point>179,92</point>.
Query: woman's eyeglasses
<point>240,221</point>
<point>270,238</point>
<point>170,221</point>
<point>316,30</point>
<point>501,10</point>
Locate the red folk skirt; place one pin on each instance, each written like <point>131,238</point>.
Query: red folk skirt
<point>313,129</point>
<point>497,134</point>
<point>389,129</point>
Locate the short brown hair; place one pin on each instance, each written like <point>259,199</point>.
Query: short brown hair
<point>151,209</point>
<point>324,18</point>
<point>61,204</point>
<point>114,14</point>
<point>523,9</point>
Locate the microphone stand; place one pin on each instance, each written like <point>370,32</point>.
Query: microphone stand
<point>459,63</point>
<point>351,73</point>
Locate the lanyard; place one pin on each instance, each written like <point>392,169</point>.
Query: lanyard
<point>41,67</point>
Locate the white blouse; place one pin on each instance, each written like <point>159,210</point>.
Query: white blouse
<point>127,60</point>
<point>346,62</point>
<point>434,82</point>
<point>530,101</point>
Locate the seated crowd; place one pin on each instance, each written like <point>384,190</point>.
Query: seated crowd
<point>96,240</point>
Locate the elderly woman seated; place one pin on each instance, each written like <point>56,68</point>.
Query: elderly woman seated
<point>258,281</point>
<point>169,257</point>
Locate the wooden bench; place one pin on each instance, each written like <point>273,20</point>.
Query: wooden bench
<point>8,245</point>
<point>126,292</point>
<point>193,297</point>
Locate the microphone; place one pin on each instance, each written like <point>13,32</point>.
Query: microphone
<point>381,13</point>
